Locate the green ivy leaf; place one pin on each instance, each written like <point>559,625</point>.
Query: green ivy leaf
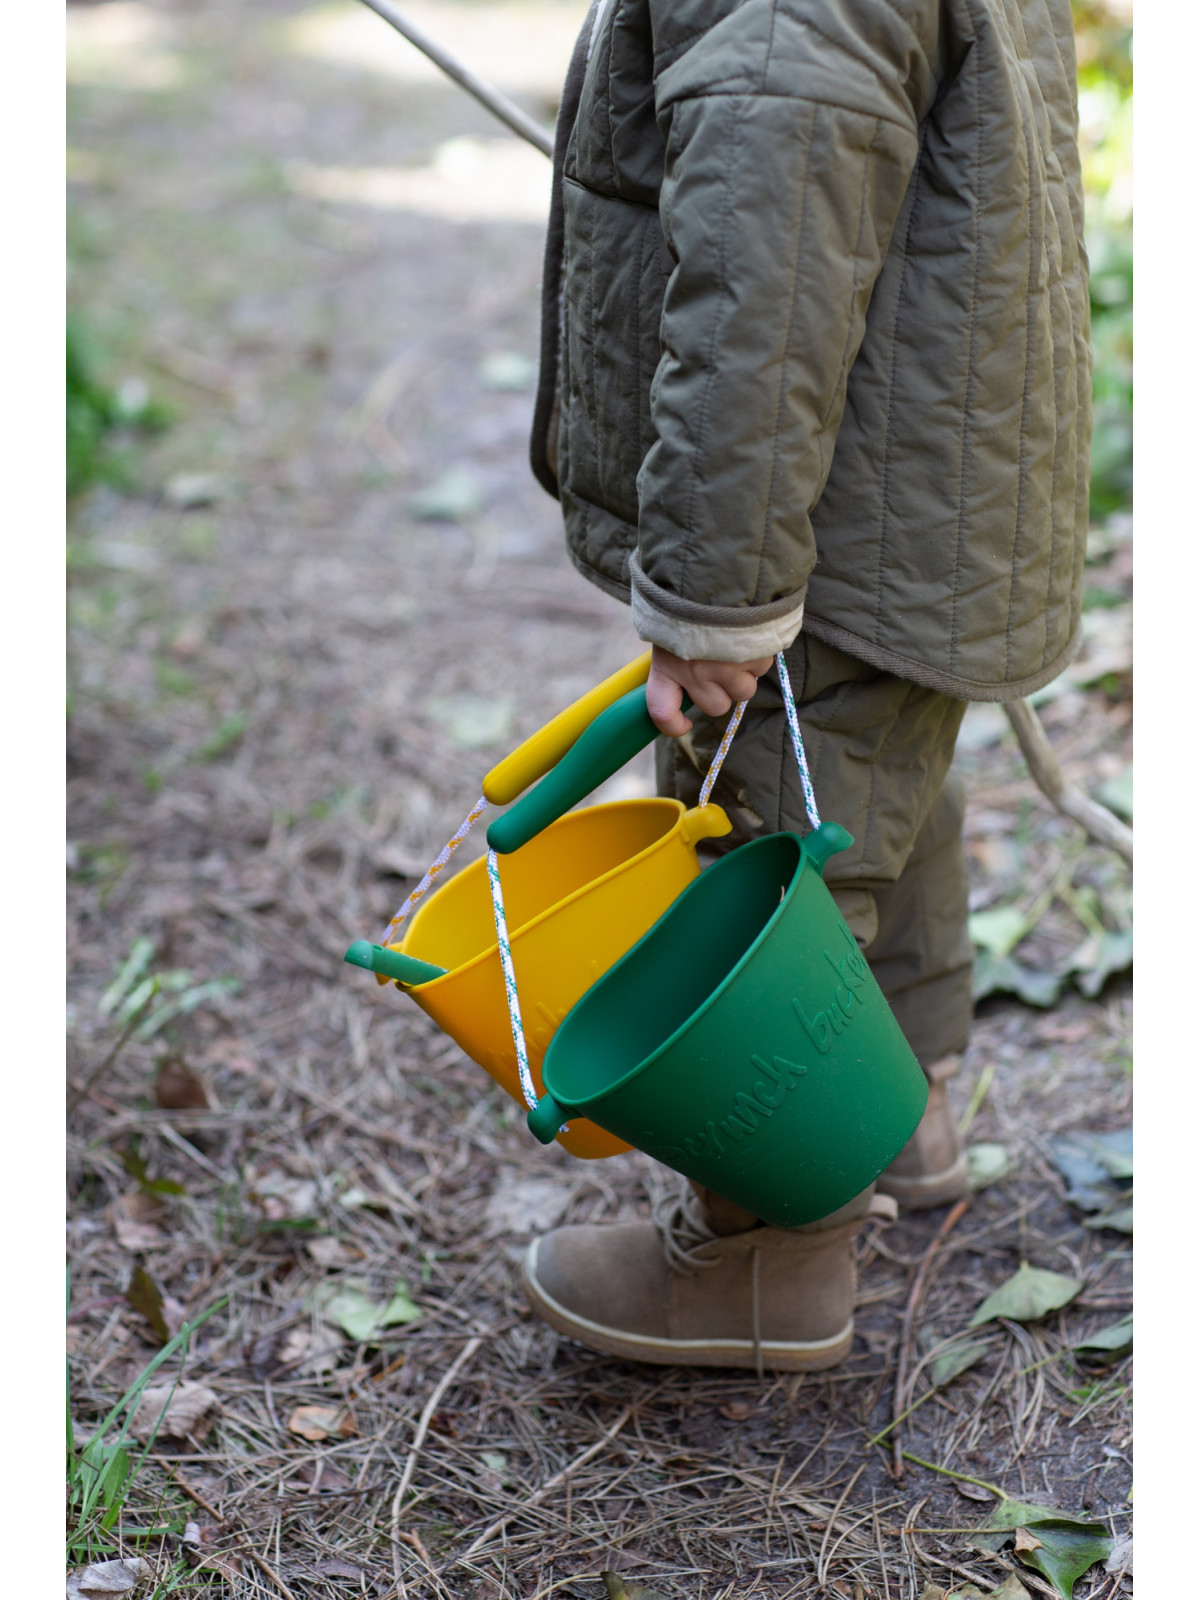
<point>1119,1219</point>
<point>1098,957</point>
<point>999,930</point>
<point>359,1315</point>
<point>1114,1340</point>
<point>986,1163</point>
<point>1063,1548</point>
<point>620,1588</point>
<point>958,1358</point>
<point>1030,1293</point>
<point>996,974</point>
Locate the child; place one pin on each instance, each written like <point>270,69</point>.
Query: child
<point>816,378</point>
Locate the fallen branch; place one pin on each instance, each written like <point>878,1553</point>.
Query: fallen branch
<point>1043,766</point>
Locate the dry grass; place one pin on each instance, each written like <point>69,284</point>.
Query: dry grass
<point>324,364</point>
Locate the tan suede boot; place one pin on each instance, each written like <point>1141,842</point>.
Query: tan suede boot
<point>932,1167</point>
<point>704,1285</point>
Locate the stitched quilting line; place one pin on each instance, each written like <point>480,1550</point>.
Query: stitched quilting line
<point>1023,439</point>
<point>1059,381</point>
<point>727,299</point>
<point>891,401</point>
<point>785,364</point>
<point>843,380</point>
<point>970,385</point>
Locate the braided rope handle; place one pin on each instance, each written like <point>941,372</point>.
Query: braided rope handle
<point>440,865</point>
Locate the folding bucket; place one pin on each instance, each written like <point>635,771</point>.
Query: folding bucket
<point>744,1042</point>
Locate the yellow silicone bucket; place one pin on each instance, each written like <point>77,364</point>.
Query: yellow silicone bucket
<point>577,897</point>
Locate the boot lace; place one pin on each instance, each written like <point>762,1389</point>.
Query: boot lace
<point>683,1230</point>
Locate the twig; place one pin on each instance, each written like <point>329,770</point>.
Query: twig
<point>948,1472</point>
<point>551,1484</point>
<point>498,104</point>
<point>978,1095</point>
<point>82,1086</point>
<point>1045,771</point>
<point>832,1519</point>
<point>431,1405</point>
<point>953,1216</point>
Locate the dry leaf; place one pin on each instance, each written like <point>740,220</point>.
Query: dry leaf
<point>135,1217</point>
<point>1025,1541</point>
<point>186,1403</point>
<point>108,1577</point>
<point>294,1346</point>
<point>320,1422</point>
<point>526,1205</point>
<point>325,1252</point>
<point>320,1477</point>
<point>177,1088</point>
<point>335,1567</point>
<point>325,1349</point>
<point>974,1491</point>
<point>283,1198</point>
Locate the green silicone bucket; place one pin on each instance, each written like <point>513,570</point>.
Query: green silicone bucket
<point>744,1042</point>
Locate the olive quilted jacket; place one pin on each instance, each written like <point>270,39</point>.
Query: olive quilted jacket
<point>815,330</point>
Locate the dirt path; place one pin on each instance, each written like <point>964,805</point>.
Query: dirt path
<point>331,596</point>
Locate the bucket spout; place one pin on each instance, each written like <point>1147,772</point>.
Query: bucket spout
<point>391,963</point>
<point>826,841</point>
<point>546,1118</point>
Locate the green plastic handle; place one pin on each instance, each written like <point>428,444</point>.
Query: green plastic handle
<point>826,841</point>
<point>603,748</point>
<point>391,964</point>
<point>546,1118</point>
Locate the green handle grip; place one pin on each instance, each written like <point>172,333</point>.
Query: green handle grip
<point>391,964</point>
<point>546,1118</point>
<point>603,748</point>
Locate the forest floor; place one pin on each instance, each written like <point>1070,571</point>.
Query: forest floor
<point>318,606</point>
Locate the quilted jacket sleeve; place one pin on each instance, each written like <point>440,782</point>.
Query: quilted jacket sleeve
<point>792,133</point>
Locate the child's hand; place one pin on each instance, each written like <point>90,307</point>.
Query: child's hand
<point>715,686</point>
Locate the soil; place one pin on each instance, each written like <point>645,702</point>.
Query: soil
<point>313,613</point>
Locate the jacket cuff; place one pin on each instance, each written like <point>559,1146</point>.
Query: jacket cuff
<point>695,632</point>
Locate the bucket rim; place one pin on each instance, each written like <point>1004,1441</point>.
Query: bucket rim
<point>804,864</point>
<point>480,865</point>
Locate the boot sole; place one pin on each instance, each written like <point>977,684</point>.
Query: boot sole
<point>922,1194</point>
<point>812,1355</point>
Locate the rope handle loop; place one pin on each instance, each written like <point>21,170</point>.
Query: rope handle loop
<point>439,866</point>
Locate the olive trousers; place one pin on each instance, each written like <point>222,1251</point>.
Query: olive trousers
<point>879,751</point>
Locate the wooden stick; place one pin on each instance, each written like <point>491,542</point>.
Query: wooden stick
<point>498,104</point>
<point>1043,766</point>
<point>953,1216</point>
